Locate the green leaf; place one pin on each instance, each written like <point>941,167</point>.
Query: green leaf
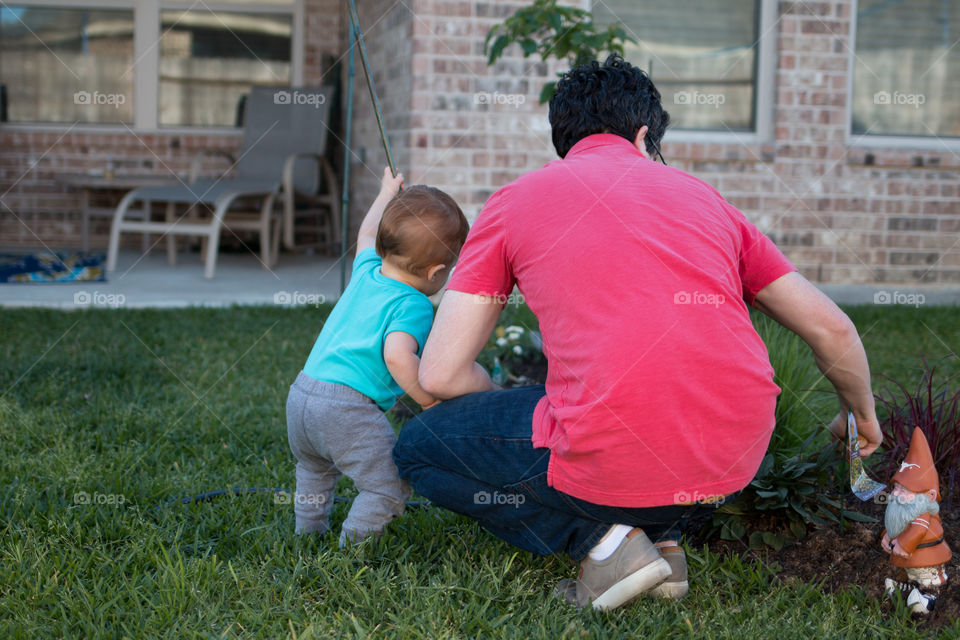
<point>797,528</point>
<point>547,92</point>
<point>767,494</point>
<point>772,540</point>
<point>732,529</point>
<point>555,20</point>
<point>497,49</point>
<point>528,45</point>
<point>858,517</point>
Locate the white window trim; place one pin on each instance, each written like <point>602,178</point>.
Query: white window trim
<point>766,84</point>
<point>869,141</point>
<point>146,35</point>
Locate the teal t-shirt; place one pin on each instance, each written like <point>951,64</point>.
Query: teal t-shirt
<point>349,349</point>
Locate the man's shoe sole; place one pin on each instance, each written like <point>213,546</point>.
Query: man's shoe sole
<point>633,585</point>
<point>673,590</point>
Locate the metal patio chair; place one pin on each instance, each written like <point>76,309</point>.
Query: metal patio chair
<point>284,140</point>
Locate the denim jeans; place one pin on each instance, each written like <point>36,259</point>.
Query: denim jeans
<point>474,455</point>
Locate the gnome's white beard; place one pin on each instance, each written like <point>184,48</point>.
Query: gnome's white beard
<point>901,513</point>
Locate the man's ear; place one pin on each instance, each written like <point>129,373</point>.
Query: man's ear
<point>932,494</point>
<point>434,270</point>
<point>640,143</point>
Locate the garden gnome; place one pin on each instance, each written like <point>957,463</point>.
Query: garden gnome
<point>913,534</point>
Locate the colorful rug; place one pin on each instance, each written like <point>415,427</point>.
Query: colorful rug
<point>61,266</point>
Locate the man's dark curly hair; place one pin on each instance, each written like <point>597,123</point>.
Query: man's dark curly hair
<point>613,97</point>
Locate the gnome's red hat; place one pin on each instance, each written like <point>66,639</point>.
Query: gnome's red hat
<point>917,472</point>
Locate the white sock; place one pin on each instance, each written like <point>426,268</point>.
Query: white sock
<point>609,543</point>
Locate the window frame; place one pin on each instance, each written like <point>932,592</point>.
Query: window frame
<point>146,77</point>
<point>766,78</point>
<point>867,140</point>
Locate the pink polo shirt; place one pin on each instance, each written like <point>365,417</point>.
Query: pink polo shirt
<point>658,389</point>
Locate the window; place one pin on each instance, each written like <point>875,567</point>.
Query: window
<point>703,56</point>
<point>906,78</point>
<point>67,65</point>
<point>209,60</point>
<point>144,63</point>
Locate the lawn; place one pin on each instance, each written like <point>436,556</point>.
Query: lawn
<point>107,416</point>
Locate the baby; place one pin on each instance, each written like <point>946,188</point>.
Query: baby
<point>367,355</point>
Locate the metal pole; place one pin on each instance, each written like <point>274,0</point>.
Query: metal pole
<point>355,21</point>
<point>347,160</point>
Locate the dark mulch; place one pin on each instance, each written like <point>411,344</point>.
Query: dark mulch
<point>839,561</point>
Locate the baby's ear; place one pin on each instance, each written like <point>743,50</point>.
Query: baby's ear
<point>434,270</point>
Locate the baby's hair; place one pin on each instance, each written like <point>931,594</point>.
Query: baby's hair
<point>422,226</point>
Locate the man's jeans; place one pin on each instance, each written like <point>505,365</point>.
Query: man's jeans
<point>474,455</point>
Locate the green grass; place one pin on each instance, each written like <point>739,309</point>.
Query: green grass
<point>146,406</point>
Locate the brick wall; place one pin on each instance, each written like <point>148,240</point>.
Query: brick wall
<point>841,212</point>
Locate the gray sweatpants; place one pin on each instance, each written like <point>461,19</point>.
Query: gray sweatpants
<point>335,429</point>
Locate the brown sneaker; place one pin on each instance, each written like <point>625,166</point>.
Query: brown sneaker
<point>676,586</point>
<point>634,568</point>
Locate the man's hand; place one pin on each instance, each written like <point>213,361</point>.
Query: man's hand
<point>869,435</point>
<point>885,543</point>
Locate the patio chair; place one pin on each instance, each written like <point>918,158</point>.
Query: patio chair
<point>284,140</point>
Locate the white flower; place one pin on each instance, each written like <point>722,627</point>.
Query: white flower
<point>501,342</point>
<point>514,329</point>
<point>513,336</point>
<point>517,349</point>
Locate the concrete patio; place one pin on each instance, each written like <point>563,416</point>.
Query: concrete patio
<point>299,279</point>
<point>148,281</point>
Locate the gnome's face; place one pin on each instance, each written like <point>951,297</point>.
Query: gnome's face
<point>906,505</point>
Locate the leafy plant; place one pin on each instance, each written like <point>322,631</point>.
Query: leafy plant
<point>806,402</point>
<point>792,491</point>
<point>935,408</point>
<point>514,348</point>
<point>549,30</point>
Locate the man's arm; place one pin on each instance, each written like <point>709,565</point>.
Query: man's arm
<point>389,186</point>
<point>462,327</point>
<point>400,356</point>
<point>799,306</point>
